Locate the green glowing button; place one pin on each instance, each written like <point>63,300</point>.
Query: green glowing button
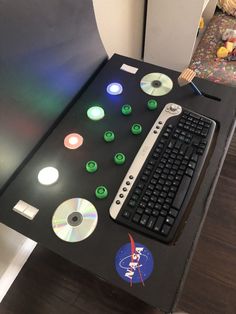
<point>109,136</point>
<point>91,166</point>
<point>136,129</point>
<point>126,110</point>
<point>101,192</point>
<point>119,159</point>
<point>152,104</point>
<point>95,113</point>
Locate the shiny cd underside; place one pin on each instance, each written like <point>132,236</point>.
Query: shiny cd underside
<point>156,84</point>
<point>74,220</point>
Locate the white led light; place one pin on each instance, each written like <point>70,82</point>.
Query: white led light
<point>114,89</point>
<point>73,140</point>
<point>48,176</point>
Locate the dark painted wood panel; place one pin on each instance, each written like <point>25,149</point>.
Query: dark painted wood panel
<point>49,284</point>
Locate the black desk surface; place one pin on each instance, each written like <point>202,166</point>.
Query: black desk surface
<point>97,253</point>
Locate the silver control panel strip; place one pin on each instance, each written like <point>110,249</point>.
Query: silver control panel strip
<point>169,111</point>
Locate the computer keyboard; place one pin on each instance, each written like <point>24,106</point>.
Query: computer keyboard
<point>154,197</point>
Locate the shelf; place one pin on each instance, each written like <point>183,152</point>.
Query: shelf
<point>205,5</point>
<point>171,35</point>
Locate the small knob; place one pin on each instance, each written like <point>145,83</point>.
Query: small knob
<point>173,107</point>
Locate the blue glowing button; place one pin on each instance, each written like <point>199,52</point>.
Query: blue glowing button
<point>114,89</point>
<point>95,113</point>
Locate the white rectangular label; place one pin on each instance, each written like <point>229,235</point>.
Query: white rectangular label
<point>129,68</point>
<point>25,209</point>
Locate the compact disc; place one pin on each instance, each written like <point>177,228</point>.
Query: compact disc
<point>156,84</point>
<point>74,220</point>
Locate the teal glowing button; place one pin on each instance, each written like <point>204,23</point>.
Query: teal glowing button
<point>152,104</point>
<point>91,166</point>
<point>109,136</point>
<point>136,129</point>
<point>119,159</point>
<point>101,192</point>
<point>95,113</point>
<point>126,110</point>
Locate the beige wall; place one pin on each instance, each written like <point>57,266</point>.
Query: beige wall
<point>120,24</point>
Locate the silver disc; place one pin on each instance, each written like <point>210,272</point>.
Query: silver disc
<point>74,220</point>
<point>156,84</point>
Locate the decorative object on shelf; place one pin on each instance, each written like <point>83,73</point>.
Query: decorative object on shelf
<point>222,52</point>
<point>201,25</point>
<point>228,6</point>
<point>204,61</point>
<point>228,51</point>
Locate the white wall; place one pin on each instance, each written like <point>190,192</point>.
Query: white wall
<point>120,24</point>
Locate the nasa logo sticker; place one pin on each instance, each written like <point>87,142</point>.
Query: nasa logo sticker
<point>134,262</point>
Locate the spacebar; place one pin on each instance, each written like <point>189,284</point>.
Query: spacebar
<point>182,191</point>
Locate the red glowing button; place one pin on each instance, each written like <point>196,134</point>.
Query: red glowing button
<point>73,141</point>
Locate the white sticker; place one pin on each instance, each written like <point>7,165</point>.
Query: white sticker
<point>129,68</point>
<point>25,210</point>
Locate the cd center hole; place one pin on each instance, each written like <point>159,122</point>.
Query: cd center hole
<point>75,219</point>
<point>156,83</point>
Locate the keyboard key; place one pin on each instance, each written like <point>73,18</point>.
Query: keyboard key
<point>153,181</point>
<point>147,172</point>
<point>170,220</point>
<point>173,212</point>
<point>188,153</point>
<point>165,188</point>
<point>136,218</point>
<point>165,230</point>
<point>192,164</point>
<point>163,212</point>
<point>171,194</point>
<point>169,200</point>
<point>200,151</point>
<point>161,200</point>
<point>143,204</point>
<point>157,206</point>
<point>151,204</point>
<point>176,183</point>
<point>140,210</point>
<point>151,187</point>
<point>126,214</point>
<point>153,198</point>
<point>149,167</point>
<point>141,185</point>
<point>138,191</point>
<point>163,194</point>
<point>204,132</point>
<point>148,211</point>
<point>166,206</point>
<point>189,172</point>
<point>144,220</point>
<point>159,223</point>
<point>151,222</point>
<point>182,191</point>
<point>145,198</point>
<point>171,144</point>
<point>148,192</point>
<point>155,212</point>
<point>135,197</point>
<point>132,203</point>
<point>144,178</point>
<point>156,193</point>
